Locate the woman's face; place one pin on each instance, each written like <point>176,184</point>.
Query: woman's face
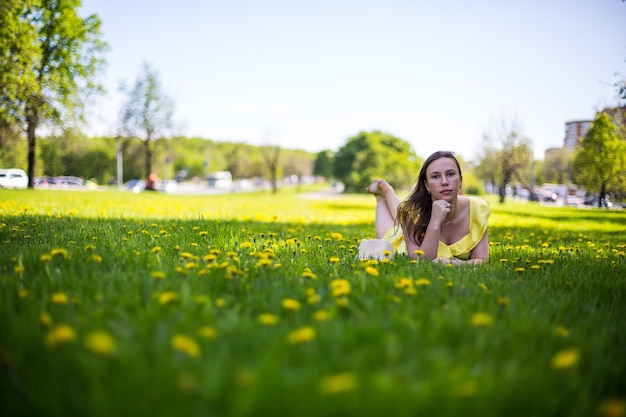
<point>443,179</point>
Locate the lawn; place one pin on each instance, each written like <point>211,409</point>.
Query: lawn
<point>121,304</point>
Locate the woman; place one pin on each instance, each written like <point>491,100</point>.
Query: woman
<point>434,219</point>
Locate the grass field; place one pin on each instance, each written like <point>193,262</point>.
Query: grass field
<point>119,304</point>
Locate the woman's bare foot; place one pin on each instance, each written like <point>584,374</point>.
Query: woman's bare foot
<point>378,187</point>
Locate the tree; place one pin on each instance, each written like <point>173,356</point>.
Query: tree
<point>147,113</point>
<point>557,166</point>
<point>271,156</point>
<point>50,56</point>
<point>323,166</point>
<point>600,164</point>
<point>371,155</point>
<point>508,160</point>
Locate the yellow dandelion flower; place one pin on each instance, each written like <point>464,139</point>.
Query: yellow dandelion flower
<point>209,257</point>
<point>186,345</point>
<point>291,304</point>
<point>503,261</point>
<point>313,298</point>
<point>22,293</point>
<point>338,383</point>
<point>60,298</point>
<point>613,407</point>
<point>203,233</point>
<point>220,302</point>
<point>158,274</point>
<point>503,301</point>
<point>45,319</point>
<point>333,259</point>
<point>342,302</point>
<point>96,258</point>
<point>520,269</point>
<point>418,252</point>
<point>321,315</point>
<point>207,332</point>
<point>246,245</point>
<point>60,335</point>
<point>449,284</point>
<point>340,287</point>
<point>422,282</point>
<point>267,319</point>
<point>336,236</point>
<point>18,269</point>
<point>167,297</point>
<point>308,274</point>
<point>156,249</point>
<point>482,320</point>
<point>301,335</point>
<point>264,262</point>
<point>45,258</point>
<point>535,267</point>
<point>565,359</point>
<point>59,252</point>
<point>370,270</point>
<point>402,282</point>
<point>561,331</point>
<point>100,343</point>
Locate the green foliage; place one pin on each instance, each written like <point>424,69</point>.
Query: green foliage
<point>166,299</point>
<point>147,113</point>
<point>50,55</point>
<point>506,159</point>
<point>324,164</point>
<point>600,163</point>
<point>371,155</point>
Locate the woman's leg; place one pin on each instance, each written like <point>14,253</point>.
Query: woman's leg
<point>387,203</point>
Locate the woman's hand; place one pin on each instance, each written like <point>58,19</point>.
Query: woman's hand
<point>440,210</point>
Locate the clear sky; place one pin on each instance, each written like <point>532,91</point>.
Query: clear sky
<point>310,74</point>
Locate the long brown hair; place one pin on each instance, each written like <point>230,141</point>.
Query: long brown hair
<point>414,212</point>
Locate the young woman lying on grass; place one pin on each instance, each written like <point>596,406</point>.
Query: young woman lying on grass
<point>434,221</point>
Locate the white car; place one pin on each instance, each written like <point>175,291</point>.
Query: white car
<point>13,178</point>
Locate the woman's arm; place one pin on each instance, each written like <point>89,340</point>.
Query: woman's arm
<point>478,255</point>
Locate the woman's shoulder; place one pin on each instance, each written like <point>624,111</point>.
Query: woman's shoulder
<point>478,204</point>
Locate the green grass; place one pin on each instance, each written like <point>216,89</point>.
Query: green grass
<point>403,338</point>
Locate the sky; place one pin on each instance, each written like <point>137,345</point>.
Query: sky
<point>311,74</point>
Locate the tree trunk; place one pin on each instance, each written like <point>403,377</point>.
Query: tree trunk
<point>602,195</point>
<point>148,152</point>
<point>32,120</point>
<point>502,192</point>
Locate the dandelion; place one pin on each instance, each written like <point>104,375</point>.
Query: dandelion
<point>613,407</point>
<point>291,304</point>
<point>565,359</point>
<point>503,301</point>
<point>158,274</point>
<point>561,331</point>
<point>209,257</point>
<point>321,315</point>
<point>18,269</point>
<point>100,343</point>
<point>45,319</point>
<point>482,320</point>
<point>22,293</point>
<point>264,262</point>
<point>336,236</point>
<point>340,287</point>
<point>342,302</point>
<point>418,252</point>
<point>60,335</point>
<point>422,282</point>
<point>520,270</point>
<point>156,249</point>
<point>308,274</point>
<point>246,245</point>
<point>333,259</point>
<point>60,298</point>
<point>370,270</point>
<point>60,252</point>
<point>186,345</point>
<point>203,233</point>
<point>45,258</point>
<point>167,297</point>
<point>301,335</point>
<point>207,332</point>
<point>402,283</point>
<point>220,302</point>
<point>338,383</point>
<point>267,319</point>
<point>96,258</point>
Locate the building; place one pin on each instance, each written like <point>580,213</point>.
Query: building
<point>575,131</point>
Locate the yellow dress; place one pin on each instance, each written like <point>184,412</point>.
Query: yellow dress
<point>461,249</point>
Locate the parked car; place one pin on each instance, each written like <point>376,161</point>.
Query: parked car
<point>13,178</point>
<point>136,186</point>
<point>167,186</point>
<point>593,201</point>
